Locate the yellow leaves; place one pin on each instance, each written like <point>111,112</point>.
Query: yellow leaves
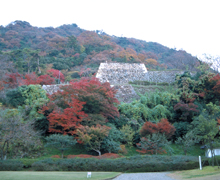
<point>151,61</point>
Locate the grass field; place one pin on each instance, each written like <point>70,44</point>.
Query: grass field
<point>34,175</point>
<point>206,173</point>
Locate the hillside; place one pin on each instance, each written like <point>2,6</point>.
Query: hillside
<point>72,49</point>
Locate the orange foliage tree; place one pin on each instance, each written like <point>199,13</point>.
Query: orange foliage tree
<point>83,102</point>
<point>163,127</point>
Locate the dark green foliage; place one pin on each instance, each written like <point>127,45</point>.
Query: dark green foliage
<point>60,141</point>
<point>42,124</point>
<point>14,97</point>
<point>11,165</point>
<point>133,164</point>
<point>112,142</point>
<point>181,128</point>
<point>119,121</point>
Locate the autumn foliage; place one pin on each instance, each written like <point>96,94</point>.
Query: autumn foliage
<point>163,127</point>
<point>80,103</point>
<point>56,74</point>
<point>67,120</point>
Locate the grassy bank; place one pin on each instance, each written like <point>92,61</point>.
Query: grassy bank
<point>15,175</point>
<point>207,173</point>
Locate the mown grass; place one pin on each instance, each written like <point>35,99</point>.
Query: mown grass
<point>196,173</point>
<point>33,175</point>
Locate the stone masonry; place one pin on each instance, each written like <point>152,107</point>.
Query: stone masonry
<point>120,74</point>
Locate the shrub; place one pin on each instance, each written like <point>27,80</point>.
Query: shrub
<point>123,149</point>
<point>11,165</point>
<point>138,163</point>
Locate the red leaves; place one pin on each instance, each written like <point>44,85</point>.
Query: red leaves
<point>68,120</point>
<point>45,80</point>
<point>12,80</point>
<point>162,127</point>
<point>186,109</point>
<point>1,85</point>
<point>99,98</point>
<point>216,87</point>
<point>76,101</point>
<point>56,74</point>
<point>165,127</point>
<point>33,79</point>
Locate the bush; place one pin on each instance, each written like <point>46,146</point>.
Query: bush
<point>11,165</point>
<point>137,163</point>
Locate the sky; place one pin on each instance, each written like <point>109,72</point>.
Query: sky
<point>190,25</point>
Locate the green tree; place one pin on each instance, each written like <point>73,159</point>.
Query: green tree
<point>93,136</point>
<point>60,142</point>
<point>206,129</point>
<point>153,143</point>
<point>112,142</point>
<point>17,136</point>
<point>187,141</point>
<point>35,98</point>
<point>128,134</point>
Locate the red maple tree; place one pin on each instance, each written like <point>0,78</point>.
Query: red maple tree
<point>163,127</point>
<point>12,80</point>
<point>32,78</point>
<point>80,102</point>
<point>56,74</point>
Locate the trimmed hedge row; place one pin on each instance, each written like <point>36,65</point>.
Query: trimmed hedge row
<point>140,163</point>
<point>11,165</point>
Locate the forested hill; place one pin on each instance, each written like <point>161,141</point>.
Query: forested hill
<point>71,49</point>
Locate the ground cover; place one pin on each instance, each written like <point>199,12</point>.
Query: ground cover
<point>23,175</point>
<point>207,172</point>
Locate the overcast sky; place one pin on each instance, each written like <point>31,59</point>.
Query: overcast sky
<point>191,25</point>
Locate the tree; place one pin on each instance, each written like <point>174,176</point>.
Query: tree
<point>68,120</point>
<point>56,74</point>
<point>111,143</point>
<point>17,136</point>
<point>60,142</point>
<point>12,80</point>
<point>93,136</point>
<point>153,143</point>
<point>35,99</point>
<point>187,141</point>
<point>128,134</point>
<point>206,128</point>
<point>162,127</point>
<point>99,99</point>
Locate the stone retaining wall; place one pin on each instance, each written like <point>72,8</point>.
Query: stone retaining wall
<point>162,76</point>
<point>122,73</point>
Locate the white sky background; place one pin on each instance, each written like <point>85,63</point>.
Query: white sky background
<point>191,25</point>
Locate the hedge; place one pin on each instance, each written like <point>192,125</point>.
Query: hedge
<point>139,163</point>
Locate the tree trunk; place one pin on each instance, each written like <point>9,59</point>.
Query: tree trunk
<point>98,151</point>
<point>62,154</point>
<point>38,66</point>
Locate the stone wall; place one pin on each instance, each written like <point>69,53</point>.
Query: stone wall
<point>50,89</point>
<point>121,73</point>
<point>162,76</point>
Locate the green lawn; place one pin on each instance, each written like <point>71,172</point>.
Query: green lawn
<point>197,173</point>
<point>34,175</point>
